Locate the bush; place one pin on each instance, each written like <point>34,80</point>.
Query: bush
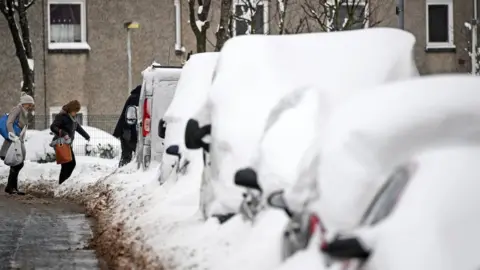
<point>48,158</point>
<point>106,151</point>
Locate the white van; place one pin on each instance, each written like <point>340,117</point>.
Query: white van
<point>158,88</point>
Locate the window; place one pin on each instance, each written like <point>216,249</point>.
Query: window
<point>250,17</point>
<point>81,115</point>
<point>351,15</point>
<point>439,24</point>
<point>67,24</point>
<point>388,196</point>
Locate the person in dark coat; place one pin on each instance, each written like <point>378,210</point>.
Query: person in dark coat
<point>64,126</point>
<point>127,132</point>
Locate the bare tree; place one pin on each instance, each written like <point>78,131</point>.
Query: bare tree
<point>248,18</point>
<point>13,10</point>
<point>465,38</point>
<point>225,25</point>
<point>201,24</point>
<point>338,15</point>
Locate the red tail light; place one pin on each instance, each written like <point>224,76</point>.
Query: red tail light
<point>315,223</point>
<point>146,119</point>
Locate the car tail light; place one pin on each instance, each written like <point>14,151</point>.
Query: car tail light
<point>146,119</point>
<point>314,223</point>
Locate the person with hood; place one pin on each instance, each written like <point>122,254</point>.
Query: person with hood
<point>18,114</point>
<point>125,130</point>
<point>64,127</point>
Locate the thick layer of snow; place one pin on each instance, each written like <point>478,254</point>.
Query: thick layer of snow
<point>438,212</point>
<point>371,134</point>
<point>283,64</point>
<point>191,92</point>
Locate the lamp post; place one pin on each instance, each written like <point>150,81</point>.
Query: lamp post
<point>129,26</point>
<point>474,37</point>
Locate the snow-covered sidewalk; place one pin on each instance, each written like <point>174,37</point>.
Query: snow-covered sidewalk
<point>142,224</point>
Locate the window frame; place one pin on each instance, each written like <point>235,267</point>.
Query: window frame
<point>450,44</point>
<point>266,15</point>
<point>56,109</point>
<point>83,45</point>
<point>361,3</point>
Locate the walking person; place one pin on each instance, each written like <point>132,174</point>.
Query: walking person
<point>64,127</point>
<point>19,116</point>
<point>126,129</point>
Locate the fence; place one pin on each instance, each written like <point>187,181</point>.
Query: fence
<point>99,127</point>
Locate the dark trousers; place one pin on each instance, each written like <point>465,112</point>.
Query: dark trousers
<point>67,169</point>
<point>12,183</point>
<point>127,152</point>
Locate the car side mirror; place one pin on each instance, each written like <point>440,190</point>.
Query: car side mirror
<point>346,248</point>
<point>277,200</point>
<point>174,150</point>
<point>194,135</point>
<point>247,178</point>
<point>131,115</point>
<point>162,128</point>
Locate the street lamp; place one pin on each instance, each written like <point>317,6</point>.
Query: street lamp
<point>129,26</point>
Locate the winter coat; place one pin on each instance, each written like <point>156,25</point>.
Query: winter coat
<point>122,126</point>
<point>20,114</point>
<point>64,124</point>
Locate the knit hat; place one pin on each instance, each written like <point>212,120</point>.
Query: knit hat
<point>26,99</point>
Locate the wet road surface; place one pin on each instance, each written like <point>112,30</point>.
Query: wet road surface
<point>43,234</point>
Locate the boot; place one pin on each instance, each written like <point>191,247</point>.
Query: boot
<point>12,186</point>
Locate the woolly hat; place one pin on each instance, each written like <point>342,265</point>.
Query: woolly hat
<point>26,99</point>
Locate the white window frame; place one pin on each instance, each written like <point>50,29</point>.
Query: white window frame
<point>360,3</point>
<point>83,17</point>
<point>440,45</point>
<point>266,15</point>
<point>56,109</point>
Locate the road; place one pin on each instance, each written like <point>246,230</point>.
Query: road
<point>43,234</point>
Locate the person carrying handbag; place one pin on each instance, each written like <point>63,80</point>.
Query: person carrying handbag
<point>64,127</point>
<point>19,115</point>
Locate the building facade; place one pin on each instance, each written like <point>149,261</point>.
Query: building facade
<point>80,47</point>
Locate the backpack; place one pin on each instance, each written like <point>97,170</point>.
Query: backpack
<point>4,130</point>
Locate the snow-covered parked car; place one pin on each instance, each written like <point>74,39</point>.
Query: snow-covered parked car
<point>266,68</point>
<point>191,92</point>
<point>102,144</point>
<point>367,150</point>
<point>432,225</point>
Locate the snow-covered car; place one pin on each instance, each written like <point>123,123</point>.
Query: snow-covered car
<point>238,111</point>
<point>191,92</point>
<point>370,139</point>
<point>158,88</point>
<point>102,144</point>
<point>438,212</point>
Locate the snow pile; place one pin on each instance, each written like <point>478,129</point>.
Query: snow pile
<point>44,177</point>
<point>283,64</point>
<point>102,144</point>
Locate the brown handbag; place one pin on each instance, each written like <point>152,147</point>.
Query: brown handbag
<point>63,153</point>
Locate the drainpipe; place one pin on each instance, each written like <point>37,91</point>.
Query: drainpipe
<point>400,13</point>
<point>474,37</point>
<point>44,39</point>
<point>179,49</point>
